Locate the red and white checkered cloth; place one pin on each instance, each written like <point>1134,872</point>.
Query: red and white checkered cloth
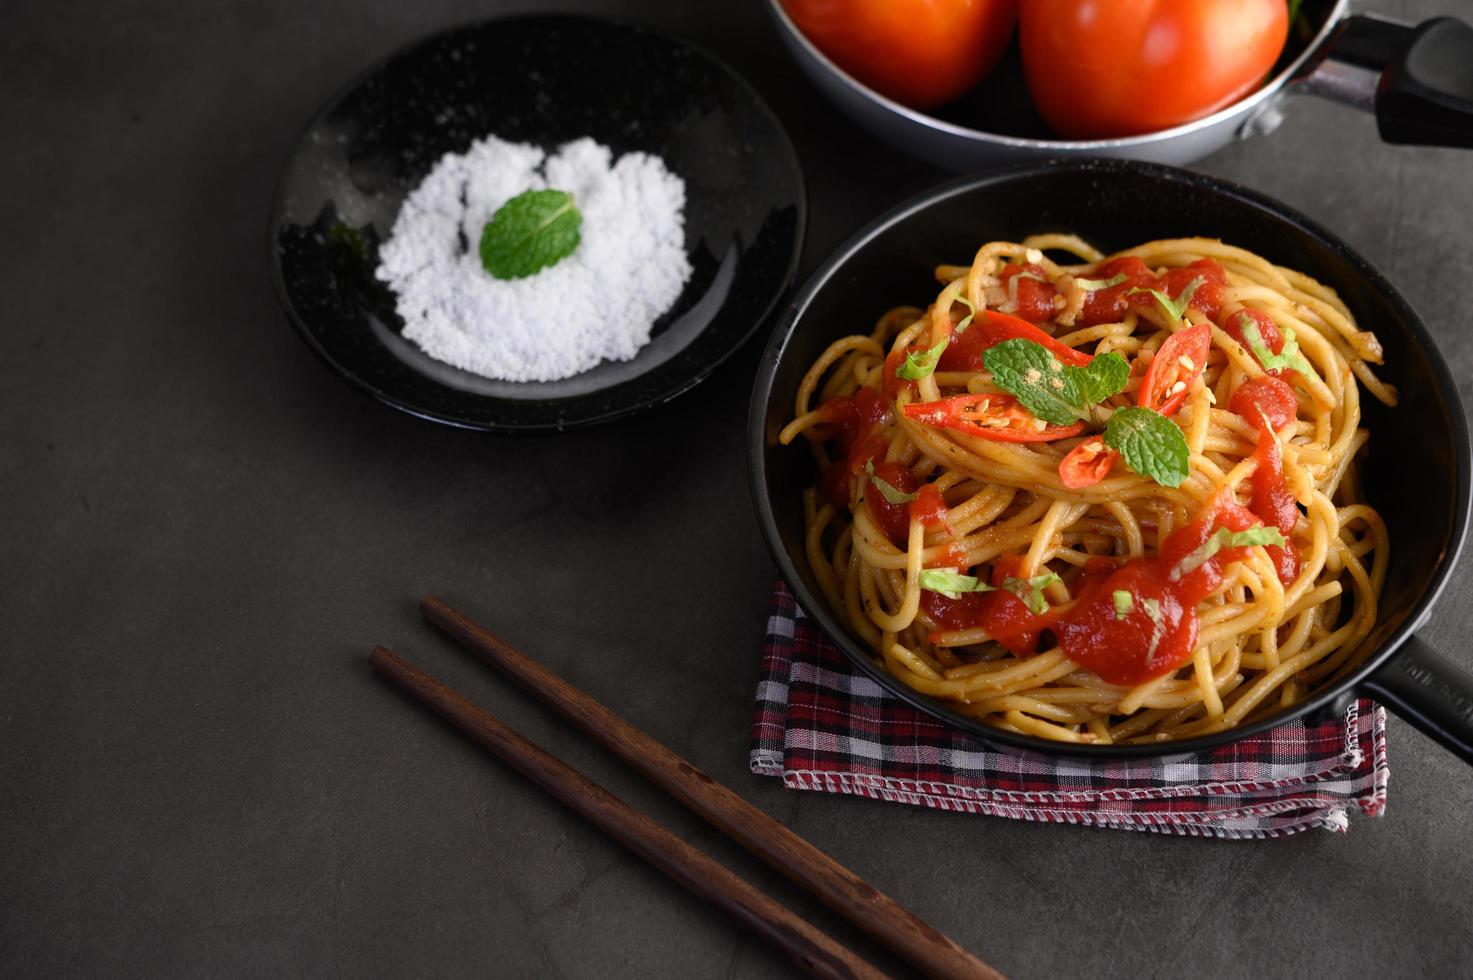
<point>821,725</point>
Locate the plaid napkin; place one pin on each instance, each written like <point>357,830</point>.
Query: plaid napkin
<point>820,725</point>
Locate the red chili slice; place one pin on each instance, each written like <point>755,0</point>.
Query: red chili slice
<point>1180,360</point>
<point>1087,464</point>
<point>990,328</point>
<point>996,417</point>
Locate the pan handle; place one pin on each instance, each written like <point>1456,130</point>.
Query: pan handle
<point>1431,692</point>
<point>1417,79</point>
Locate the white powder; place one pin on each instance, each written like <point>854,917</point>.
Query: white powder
<point>598,304</point>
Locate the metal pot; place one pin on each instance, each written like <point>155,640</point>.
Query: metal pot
<point>1418,80</point>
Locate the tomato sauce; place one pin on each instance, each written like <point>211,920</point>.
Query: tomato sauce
<point>1035,296</point>
<point>1265,397</point>
<point>1003,615</point>
<point>1157,633</point>
<point>929,507</point>
<point>1208,295</point>
<point>1154,636</point>
<point>856,421</point>
<point>1109,305</point>
<point>893,519</point>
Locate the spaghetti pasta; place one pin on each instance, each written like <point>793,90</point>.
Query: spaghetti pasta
<point>1101,498</point>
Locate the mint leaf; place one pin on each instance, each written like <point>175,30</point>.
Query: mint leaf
<point>1174,309</point>
<point>1124,602</point>
<point>889,492</point>
<point>951,584</point>
<point>1224,538</point>
<point>1090,285</point>
<point>1150,444</point>
<point>1289,357</point>
<point>1052,391</point>
<point>530,232</point>
<point>1027,370</point>
<point>1030,590</point>
<point>1102,377</point>
<point>920,364</point>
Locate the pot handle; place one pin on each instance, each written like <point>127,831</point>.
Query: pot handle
<point>1417,79</point>
<point>1430,691</point>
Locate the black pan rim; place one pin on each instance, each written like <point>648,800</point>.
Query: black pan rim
<point>817,610</point>
<point>679,386</point>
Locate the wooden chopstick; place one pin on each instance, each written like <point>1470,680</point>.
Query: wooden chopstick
<point>842,890</point>
<point>811,949</point>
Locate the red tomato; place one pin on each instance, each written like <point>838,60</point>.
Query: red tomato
<point>990,328</point>
<point>1103,68</point>
<point>918,52</point>
<point>1176,365</point>
<point>996,417</point>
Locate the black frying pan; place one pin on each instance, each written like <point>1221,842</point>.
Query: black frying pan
<point>1417,474</point>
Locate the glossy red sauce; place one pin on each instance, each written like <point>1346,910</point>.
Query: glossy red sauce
<point>1002,614</point>
<point>1035,296</point>
<point>1267,329</point>
<point>1265,397</point>
<point>1110,305</point>
<point>893,519</point>
<point>1208,296</point>
<point>1134,648</point>
<point>855,422</point>
<point>929,507</point>
<point>1125,650</point>
<point>1273,502</point>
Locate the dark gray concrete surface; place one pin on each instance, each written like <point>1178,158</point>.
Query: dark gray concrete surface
<point>202,531</point>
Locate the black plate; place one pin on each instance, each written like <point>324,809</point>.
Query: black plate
<point>544,80</point>
<point>1417,474</point>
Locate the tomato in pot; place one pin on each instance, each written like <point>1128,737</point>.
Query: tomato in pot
<point>1106,68</point>
<point>921,53</point>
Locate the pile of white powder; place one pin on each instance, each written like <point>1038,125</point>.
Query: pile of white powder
<point>598,304</point>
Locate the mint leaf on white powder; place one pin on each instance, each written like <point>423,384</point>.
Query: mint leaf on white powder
<point>530,232</point>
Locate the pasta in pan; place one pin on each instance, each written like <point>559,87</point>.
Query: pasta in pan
<point>1101,499</point>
